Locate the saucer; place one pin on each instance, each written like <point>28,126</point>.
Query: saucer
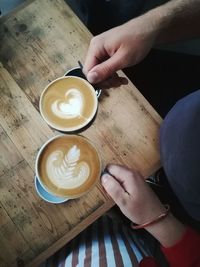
<point>45,195</point>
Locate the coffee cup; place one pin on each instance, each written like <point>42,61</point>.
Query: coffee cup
<point>68,104</point>
<point>68,166</point>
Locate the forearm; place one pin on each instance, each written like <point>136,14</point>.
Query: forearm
<point>180,244</point>
<point>176,20</point>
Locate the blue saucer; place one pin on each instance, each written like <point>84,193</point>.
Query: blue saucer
<point>45,195</point>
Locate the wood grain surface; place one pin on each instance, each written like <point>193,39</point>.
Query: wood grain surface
<point>39,43</point>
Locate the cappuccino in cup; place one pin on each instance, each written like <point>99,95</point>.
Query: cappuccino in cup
<point>68,103</point>
<point>68,166</point>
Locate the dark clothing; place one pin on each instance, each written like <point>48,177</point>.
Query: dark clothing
<point>180,152</point>
<point>102,15</point>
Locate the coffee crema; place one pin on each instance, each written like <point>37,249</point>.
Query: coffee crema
<point>68,103</point>
<point>68,166</point>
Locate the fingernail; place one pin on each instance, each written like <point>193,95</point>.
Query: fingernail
<point>92,77</point>
<point>104,179</point>
<point>104,172</point>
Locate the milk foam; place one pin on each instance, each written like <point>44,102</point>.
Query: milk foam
<point>64,169</point>
<point>71,106</point>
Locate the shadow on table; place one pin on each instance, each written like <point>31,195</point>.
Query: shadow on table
<point>164,77</point>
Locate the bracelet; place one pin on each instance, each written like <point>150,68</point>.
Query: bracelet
<point>155,220</point>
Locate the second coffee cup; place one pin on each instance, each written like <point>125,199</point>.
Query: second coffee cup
<point>68,166</point>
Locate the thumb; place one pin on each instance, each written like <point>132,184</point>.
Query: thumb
<point>105,69</point>
<point>114,189</point>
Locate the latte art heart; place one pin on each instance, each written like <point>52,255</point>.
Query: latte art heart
<point>71,106</point>
<point>65,170</point>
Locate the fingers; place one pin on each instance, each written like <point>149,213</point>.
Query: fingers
<point>95,54</point>
<point>90,62</point>
<point>127,178</point>
<point>104,70</point>
<point>119,172</point>
<point>114,189</point>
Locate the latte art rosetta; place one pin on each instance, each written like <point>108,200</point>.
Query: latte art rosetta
<point>71,106</point>
<point>64,169</point>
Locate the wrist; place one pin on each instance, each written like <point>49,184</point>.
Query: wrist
<point>167,231</point>
<point>156,219</point>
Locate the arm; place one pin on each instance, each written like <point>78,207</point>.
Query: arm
<point>185,252</point>
<point>139,203</point>
<point>129,43</point>
<point>177,20</point>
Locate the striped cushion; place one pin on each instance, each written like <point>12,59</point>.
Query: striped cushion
<point>104,244</point>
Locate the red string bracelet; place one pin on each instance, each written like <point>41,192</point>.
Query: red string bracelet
<point>155,220</point>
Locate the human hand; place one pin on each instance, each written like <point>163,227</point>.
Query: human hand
<point>139,203</point>
<point>118,48</point>
<point>131,193</point>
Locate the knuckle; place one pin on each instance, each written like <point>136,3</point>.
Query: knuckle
<point>122,201</point>
<point>131,176</point>
<point>94,41</point>
<point>134,175</point>
<point>106,69</point>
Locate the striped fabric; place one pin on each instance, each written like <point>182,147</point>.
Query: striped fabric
<point>104,244</point>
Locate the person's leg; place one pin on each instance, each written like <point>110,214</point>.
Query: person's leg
<point>180,152</point>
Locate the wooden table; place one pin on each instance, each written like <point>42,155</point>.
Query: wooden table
<point>38,43</point>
